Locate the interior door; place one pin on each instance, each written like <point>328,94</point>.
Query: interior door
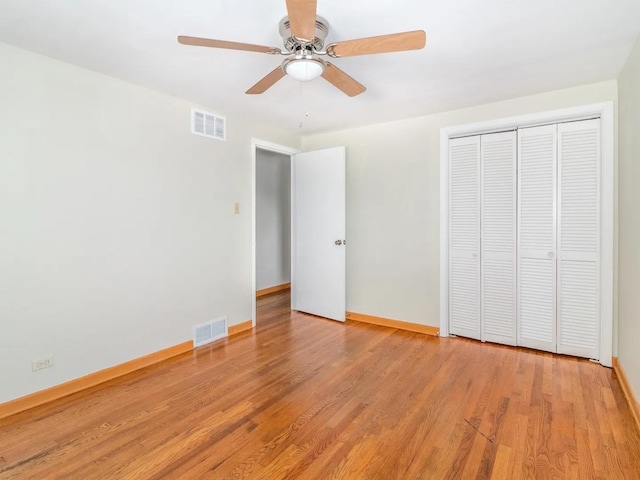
<point>464,237</point>
<point>537,160</point>
<point>579,238</point>
<point>498,222</point>
<point>318,261</point>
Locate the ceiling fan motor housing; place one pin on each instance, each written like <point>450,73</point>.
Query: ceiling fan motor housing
<point>294,45</point>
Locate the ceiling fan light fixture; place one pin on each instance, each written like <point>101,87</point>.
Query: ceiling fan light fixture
<point>304,69</point>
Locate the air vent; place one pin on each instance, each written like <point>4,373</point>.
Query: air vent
<point>208,124</point>
<point>209,331</point>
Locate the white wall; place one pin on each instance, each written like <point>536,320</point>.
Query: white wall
<point>273,219</point>
<point>117,232</point>
<point>629,234</point>
<point>117,228</point>
<point>393,201</point>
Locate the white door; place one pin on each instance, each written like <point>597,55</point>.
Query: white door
<point>537,162</point>
<point>498,227</point>
<point>464,237</point>
<point>318,233</point>
<point>579,238</point>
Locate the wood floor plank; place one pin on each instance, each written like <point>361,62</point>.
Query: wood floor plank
<point>303,397</point>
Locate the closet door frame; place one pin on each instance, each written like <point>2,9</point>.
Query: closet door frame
<point>604,111</point>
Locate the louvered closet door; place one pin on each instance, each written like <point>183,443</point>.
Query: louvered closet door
<point>537,237</point>
<point>578,239</point>
<point>464,237</point>
<point>498,227</point>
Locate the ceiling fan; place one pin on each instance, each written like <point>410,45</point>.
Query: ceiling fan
<point>303,34</point>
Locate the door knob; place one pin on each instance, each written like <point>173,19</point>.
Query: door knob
<point>338,242</point>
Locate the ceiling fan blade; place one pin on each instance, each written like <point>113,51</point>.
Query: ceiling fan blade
<point>395,42</point>
<point>266,82</point>
<point>342,81</point>
<point>302,18</point>
<point>209,42</point>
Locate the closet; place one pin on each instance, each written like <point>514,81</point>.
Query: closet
<point>524,246</point>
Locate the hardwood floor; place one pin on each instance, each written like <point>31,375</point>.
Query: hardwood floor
<point>303,397</point>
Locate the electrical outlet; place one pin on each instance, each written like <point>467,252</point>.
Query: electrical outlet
<point>236,208</point>
<point>40,363</point>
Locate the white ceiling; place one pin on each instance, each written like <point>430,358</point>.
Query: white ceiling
<point>477,51</point>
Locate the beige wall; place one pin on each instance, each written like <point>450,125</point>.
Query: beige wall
<point>629,229</point>
<point>117,226</point>
<point>117,232</point>
<point>393,209</point>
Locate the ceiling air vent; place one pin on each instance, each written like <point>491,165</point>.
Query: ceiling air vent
<point>208,124</point>
<point>209,331</point>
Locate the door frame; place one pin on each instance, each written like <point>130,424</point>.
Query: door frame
<point>605,112</point>
<point>272,147</point>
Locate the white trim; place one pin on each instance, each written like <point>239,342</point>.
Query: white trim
<point>294,237</point>
<point>602,110</point>
<point>606,232</point>
<point>444,233</point>
<point>273,147</point>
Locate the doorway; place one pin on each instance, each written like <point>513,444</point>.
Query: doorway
<point>271,221</point>
<point>318,209</point>
<point>273,226</point>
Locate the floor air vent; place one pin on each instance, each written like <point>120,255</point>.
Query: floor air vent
<point>209,331</point>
